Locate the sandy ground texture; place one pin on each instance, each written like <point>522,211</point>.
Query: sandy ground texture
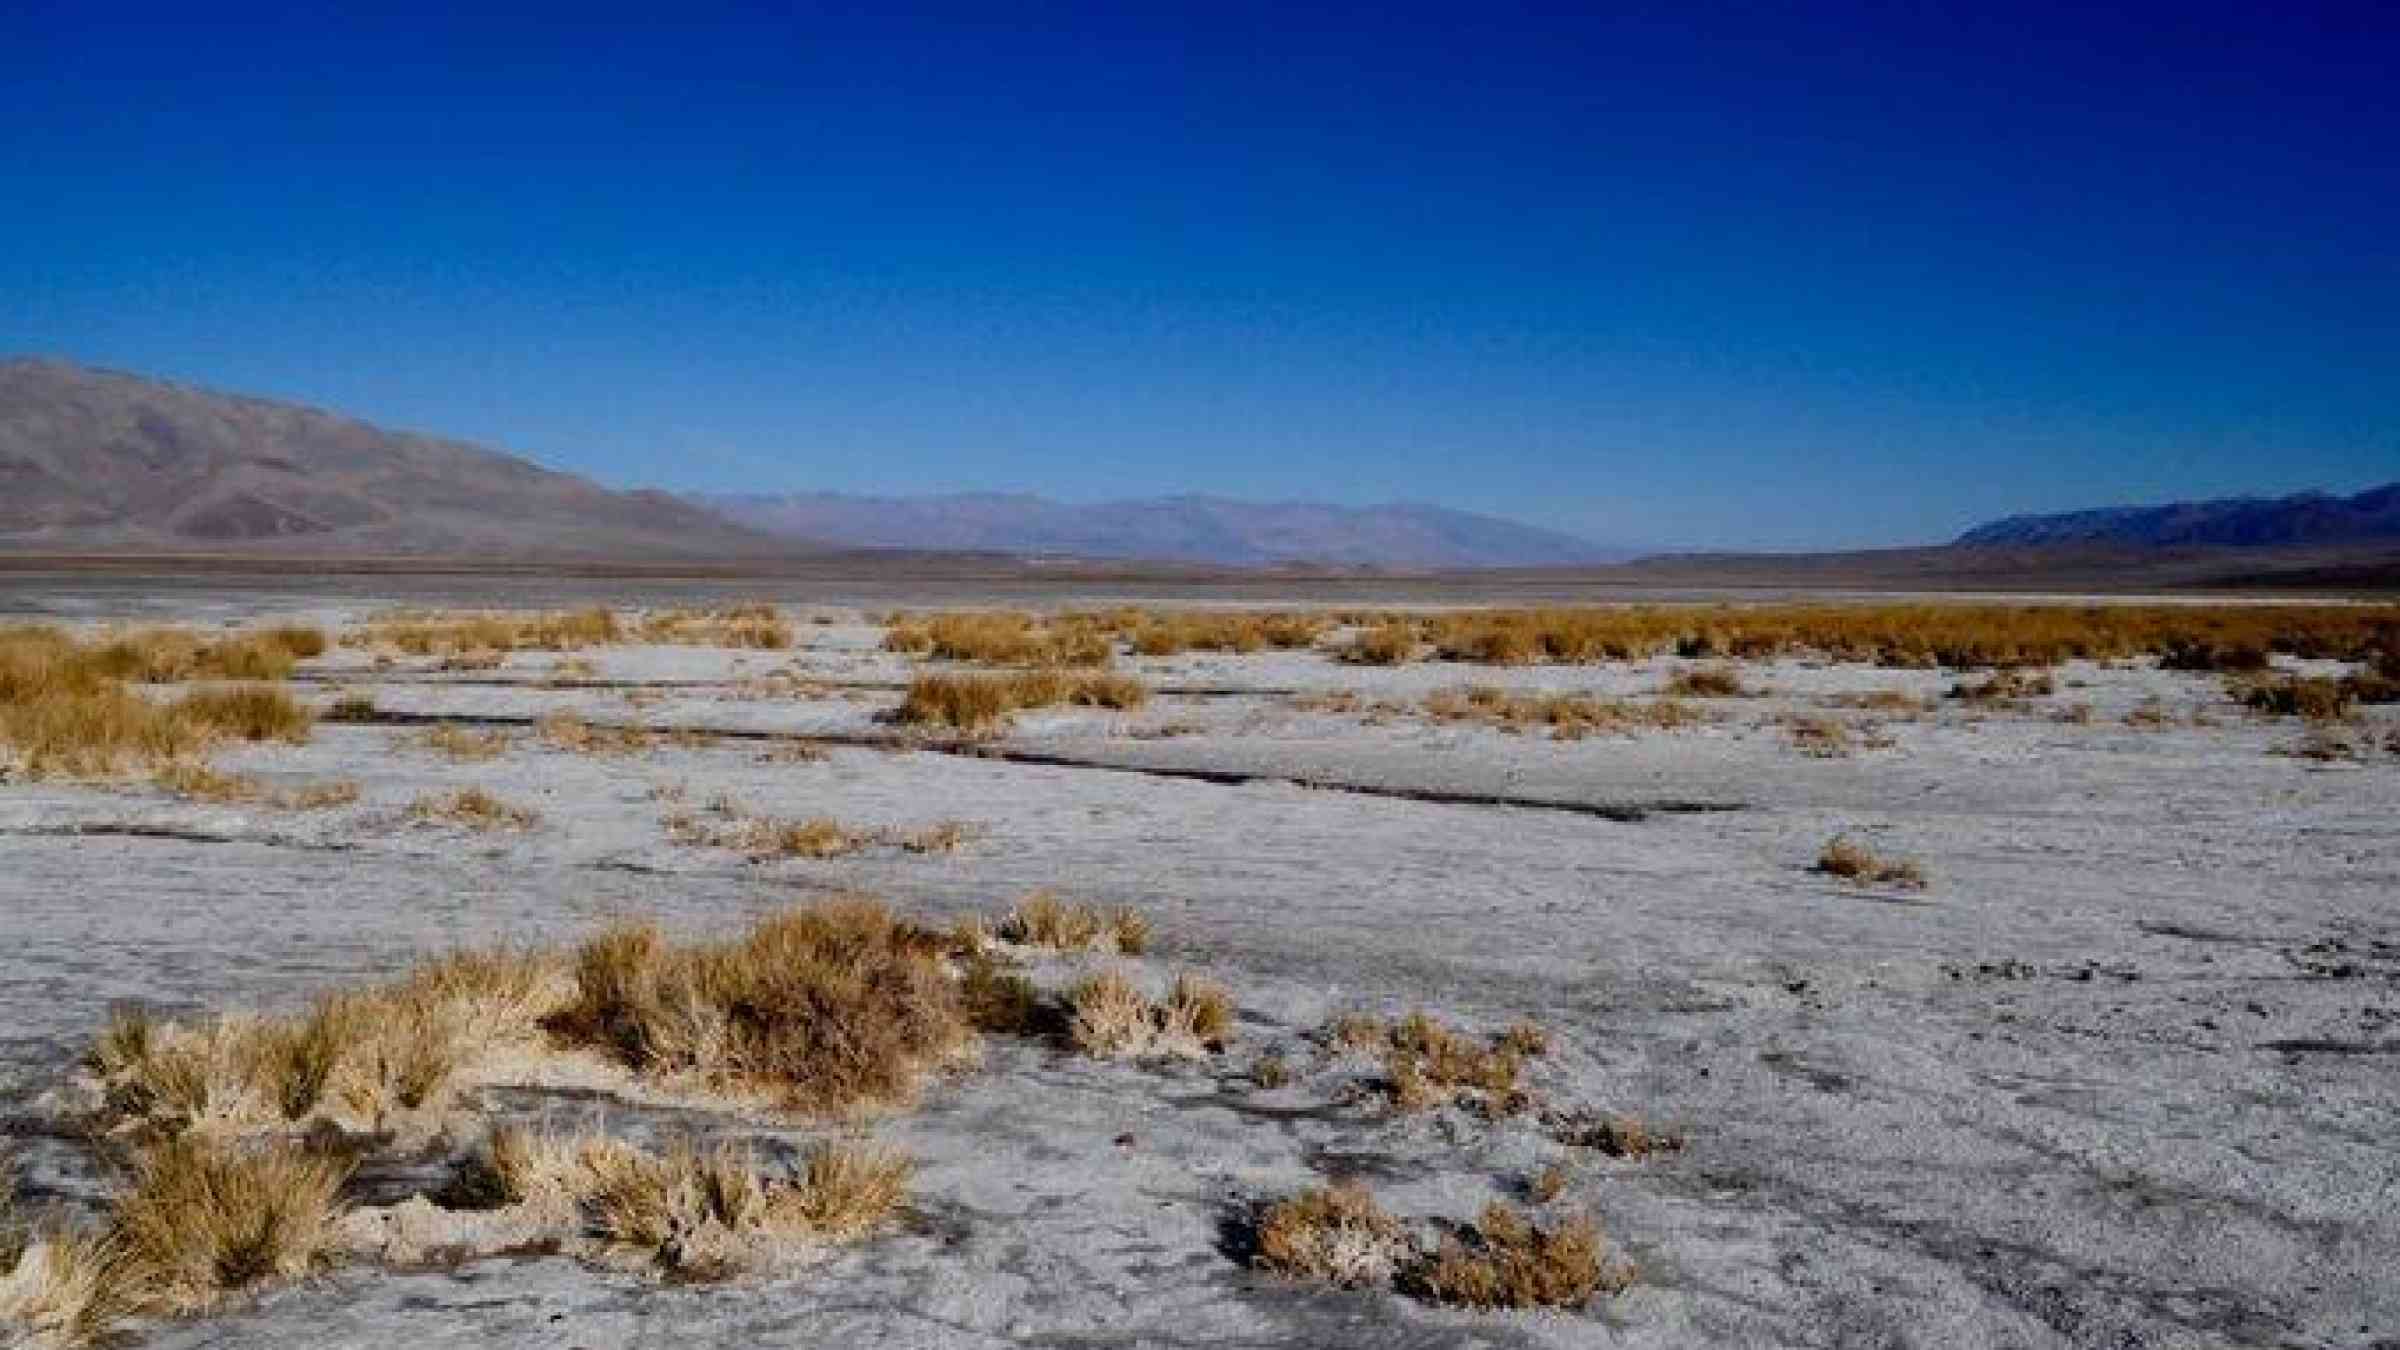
<point>2126,1072</point>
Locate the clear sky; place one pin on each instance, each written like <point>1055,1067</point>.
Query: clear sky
<point>1783,276</point>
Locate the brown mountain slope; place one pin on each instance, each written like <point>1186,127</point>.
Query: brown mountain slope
<point>98,460</point>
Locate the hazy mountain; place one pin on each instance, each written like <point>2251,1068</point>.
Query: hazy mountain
<point>1181,529</point>
<point>95,460</point>
<point>2245,522</point>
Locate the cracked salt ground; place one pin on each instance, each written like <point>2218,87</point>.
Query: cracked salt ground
<point>2120,1076</point>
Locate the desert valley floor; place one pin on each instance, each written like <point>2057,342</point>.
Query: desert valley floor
<point>2123,1070</point>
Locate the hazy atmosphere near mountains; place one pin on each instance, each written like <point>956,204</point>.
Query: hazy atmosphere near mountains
<point>1199,677</point>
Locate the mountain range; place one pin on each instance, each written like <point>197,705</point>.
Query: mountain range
<point>2233,522</point>
<point>97,461</point>
<point>1174,529</point>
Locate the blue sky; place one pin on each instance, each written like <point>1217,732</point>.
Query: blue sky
<point>1720,276</point>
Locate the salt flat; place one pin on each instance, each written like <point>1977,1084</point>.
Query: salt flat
<point>2125,1072</point>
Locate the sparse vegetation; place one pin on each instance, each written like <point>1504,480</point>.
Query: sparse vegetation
<point>205,1220</point>
<point>351,708</point>
<point>1960,636</point>
<point>198,782</point>
<point>474,808</point>
<point>825,1009</point>
<point>1003,638</point>
<point>66,711</point>
<point>1508,1261</point>
<point>1818,737</point>
<point>1336,1235</point>
<point>1109,1017</point>
<point>1385,644</point>
<point>1707,682</point>
<point>1852,861</point>
<point>2005,686</point>
<point>763,837</point>
<point>986,702</point>
<point>1568,716</point>
<point>685,1212</point>
<point>1043,920</point>
<point>570,732</point>
<point>437,633</point>
<point>758,627</point>
<point>462,745</point>
<point>2313,698</point>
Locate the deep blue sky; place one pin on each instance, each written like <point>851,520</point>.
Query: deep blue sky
<point>1757,277</point>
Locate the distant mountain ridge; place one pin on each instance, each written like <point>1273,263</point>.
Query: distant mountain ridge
<point>2239,522</point>
<point>102,461</point>
<point>1200,529</point>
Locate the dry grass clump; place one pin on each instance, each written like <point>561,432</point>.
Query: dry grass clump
<point>1568,716</point>
<point>1917,636</point>
<point>757,627</point>
<point>1385,644</point>
<point>986,702</point>
<point>65,1287</point>
<point>247,712</point>
<point>198,782</point>
<point>1109,1017</point>
<point>1892,701</point>
<point>685,1212</point>
<point>1818,737</point>
<point>1043,920</point>
<point>1335,1234</point>
<point>568,731</point>
<point>2313,698</point>
<point>1427,1064</point>
<point>371,1061</point>
<point>461,745</point>
<point>474,808</point>
<point>1505,1260</point>
<point>197,1223</point>
<point>351,708</point>
<point>1617,1135</point>
<point>1852,861</point>
<point>438,633</point>
<point>2004,686</point>
<point>824,1009</point>
<point>763,837</point>
<point>162,655</point>
<point>1176,631</point>
<point>205,1220</point>
<point>1707,682</point>
<point>65,711</point>
<point>1003,638</point>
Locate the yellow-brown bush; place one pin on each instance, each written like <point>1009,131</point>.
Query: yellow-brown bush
<point>986,702</point>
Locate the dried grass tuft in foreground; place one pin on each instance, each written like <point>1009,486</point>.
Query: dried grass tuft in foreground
<point>1043,920</point>
<point>474,808</point>
<point>198,782</point>
<point>1507,1261</point>
<point>64,1287</point>
<point>1852,861</point>
<point>1335,1234</point>
<point>824,1009</point>
<point>204,1220</point>
<point>686,1212</point>
<point>1109,1017</point>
